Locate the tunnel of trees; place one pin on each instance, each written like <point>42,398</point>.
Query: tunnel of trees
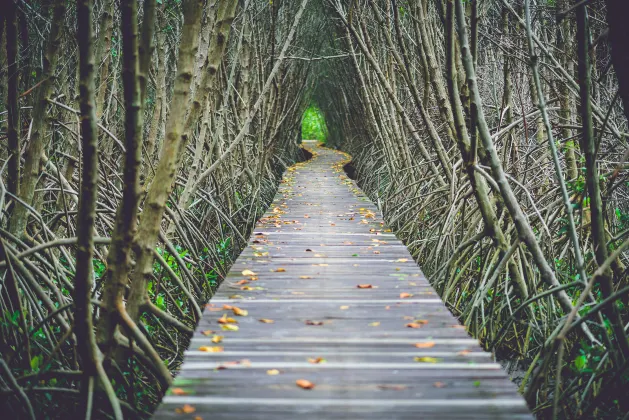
<point>141,140</point>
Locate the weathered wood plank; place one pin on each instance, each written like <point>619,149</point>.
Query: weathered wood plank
<point>333,286</point>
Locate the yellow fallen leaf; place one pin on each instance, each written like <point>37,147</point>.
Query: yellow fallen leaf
<point>305,277</point>
<point>225,320</point>
<point>217,339</point>
<point>280,270</point>
<point>425,345</point>
<point>272,372</point>
<point>240,312</point>
<point>426,359</point>
<point>374,324</point>
<point>304,384</point>
<point>229,327</point>
<point>248,273</point>
<point>344,307</point>
<point>401,260</point>
<point>405,295</point>
<point>216,349</point>
<point>266,321</point>
<point>207,332</point>
<point>316,361</point>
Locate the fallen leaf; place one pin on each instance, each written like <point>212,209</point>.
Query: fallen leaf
<point>439,385</point>
<point>229,327</point>
<point>308,250</point>
<point>241,282</point>
<point>216,349</point>
<point>425,345</point>
<point>225,320</point>
<point>344,307</point>
<point>401,260</point>
<point>304,384</point>
<point>239,312</point>
<point>464,352</point>
<point>178,391</point>
<point>317,360</point>
<point>248,273</point>
<point>272,372</point>
<point>405,295</point>
<point>305,277</point>
<point>266,321</point>
<point>186,409</point>
<point>364,286</point>
<point>208,332</point>
<point>309,322</point>
<point>227,307</point>
<point>374,324</point>
<point>280,270</point>
<point>217,339</point>
<point>413,325</point>
<point>426,359</point>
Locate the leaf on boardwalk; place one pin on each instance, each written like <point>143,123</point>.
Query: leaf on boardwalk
<point>344,307</point>
<point>225,320</point>
<point>317,360</point>
<point>178,391</point>
<point>266,321</point>
<point>309,322</point>
<point>305,277</point>
<point>217,339</point>
<point>208,332</point>
<point>439,385</point>
<point>280,270</point>
<point>186,409</point>
<point>405,295</point>
<point>215,349</point>
<point>413,325</point>
<point>241,282</point>
<point>229,327</point>
<point>401,260</point>
<point>426,359</point>
<point>374,324</point>
<point>364,286</point>
<point>248,273</point>
<point>272,372</point>
<point>239,312</point>
<point>425,345</point>
<point>304,384</point>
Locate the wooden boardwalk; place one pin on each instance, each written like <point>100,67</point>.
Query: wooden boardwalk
<point>336,303</point>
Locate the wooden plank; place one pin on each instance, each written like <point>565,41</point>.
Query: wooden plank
<point>335,287</point>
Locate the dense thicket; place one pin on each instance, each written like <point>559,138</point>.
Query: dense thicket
<point>143,139</point>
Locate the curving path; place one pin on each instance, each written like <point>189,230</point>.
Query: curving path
<point>337,305</point>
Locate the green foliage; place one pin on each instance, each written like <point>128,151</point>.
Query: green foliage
<point>313,125</point>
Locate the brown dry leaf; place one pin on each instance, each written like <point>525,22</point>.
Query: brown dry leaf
<point>272,372</point>
<point>413,325</point>
<point>229,327</point>
<point>316,361</point>
<point>439,385</point>
<point>405,295</point>
<point>425,345</point>
<point>186,409</point>
<point>266,321</point>
<point>178,391</point>
<point>309,322</point>
<point>304,384</point>
<point>305,277</point>
<point>217,339</point>
<point>215,349</point>
<point>241,282</point>
<point>239,312</point>
<point>364,286</point>
<point>280,270</point>
<point>308,250</point>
